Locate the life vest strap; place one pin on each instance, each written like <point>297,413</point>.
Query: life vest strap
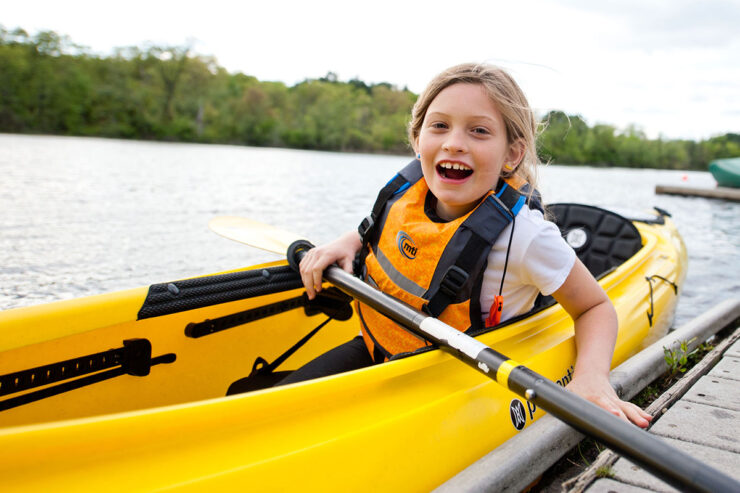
<point>368,227</point>
<point>484,232</point>
<point>457,276</point>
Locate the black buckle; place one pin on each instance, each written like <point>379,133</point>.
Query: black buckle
<point>365,226</point>
<point>453,281</point>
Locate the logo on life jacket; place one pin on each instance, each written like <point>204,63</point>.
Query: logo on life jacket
<point>406,245</point>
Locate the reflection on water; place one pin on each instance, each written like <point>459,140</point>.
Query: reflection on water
<point>84,216</point>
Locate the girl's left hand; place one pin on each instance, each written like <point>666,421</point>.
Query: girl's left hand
<point>597,389</point>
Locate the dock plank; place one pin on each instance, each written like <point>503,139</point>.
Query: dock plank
<point>719,392</point>
<point>627,472</point>
<point>700,423</point>
<point>611,486</point>
<point>728,368</point>
<point>723,193</point>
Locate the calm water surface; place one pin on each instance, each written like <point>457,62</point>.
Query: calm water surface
<point>82,216</point>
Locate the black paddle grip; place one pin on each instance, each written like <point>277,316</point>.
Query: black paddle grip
<point>296,250</point>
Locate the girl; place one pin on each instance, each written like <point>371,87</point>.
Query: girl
<point>460,230</point>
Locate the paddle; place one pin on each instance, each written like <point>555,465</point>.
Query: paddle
<point>253,233</point>
<point>668,463</point>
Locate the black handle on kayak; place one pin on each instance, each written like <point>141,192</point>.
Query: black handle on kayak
<point>668,463</point>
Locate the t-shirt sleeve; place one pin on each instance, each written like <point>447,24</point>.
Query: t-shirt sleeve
<point>548,260</point>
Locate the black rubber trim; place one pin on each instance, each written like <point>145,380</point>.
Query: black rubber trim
<point>189,294</point>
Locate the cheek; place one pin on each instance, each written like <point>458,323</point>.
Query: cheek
<point>427,167</point>
<point>425,144</point>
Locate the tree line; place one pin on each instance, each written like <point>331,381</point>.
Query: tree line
<point>50,85</point>
<point>569,140</point>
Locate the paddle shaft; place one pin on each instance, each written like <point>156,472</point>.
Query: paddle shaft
<point>670,464</point>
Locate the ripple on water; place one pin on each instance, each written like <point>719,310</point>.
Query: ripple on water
<point>84,216</point>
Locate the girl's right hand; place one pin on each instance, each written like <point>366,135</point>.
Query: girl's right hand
<point>342,251</point>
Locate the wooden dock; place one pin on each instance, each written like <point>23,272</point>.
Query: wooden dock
<point>722,193</point>
<point>700,415</point>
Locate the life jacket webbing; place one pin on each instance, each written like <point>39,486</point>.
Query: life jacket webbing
<point>506,203</point>
<point>466,256</point>
<point>369,226</point>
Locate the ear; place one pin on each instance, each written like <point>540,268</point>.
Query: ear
<point>515,153</point>
<point>416,145</point>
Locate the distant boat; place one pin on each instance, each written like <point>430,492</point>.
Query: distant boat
<point>726,172</point>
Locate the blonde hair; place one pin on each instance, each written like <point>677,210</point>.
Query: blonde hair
<point>508,98</point>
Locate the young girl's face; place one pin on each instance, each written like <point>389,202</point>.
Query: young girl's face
<point>463,147</point>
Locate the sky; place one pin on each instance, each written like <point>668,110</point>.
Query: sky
<point>671,68</point>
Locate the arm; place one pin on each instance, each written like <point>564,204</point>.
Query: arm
<point>596,334</point>
<point>342,251</point>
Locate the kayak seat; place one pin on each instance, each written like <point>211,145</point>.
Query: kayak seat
<point>602,239</point>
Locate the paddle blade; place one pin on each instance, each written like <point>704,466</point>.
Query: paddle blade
<point>253,233</point>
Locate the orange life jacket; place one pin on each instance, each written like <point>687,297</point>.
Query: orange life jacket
<point>431,265</point>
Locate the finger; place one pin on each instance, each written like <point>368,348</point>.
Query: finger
<point>307,278</point>
<point>317,279</point>
<point>609,406</point>
<point>637,415</point>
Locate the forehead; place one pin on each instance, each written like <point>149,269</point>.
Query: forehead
<point>465,99</point>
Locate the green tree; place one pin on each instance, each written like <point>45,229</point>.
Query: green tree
<point>50,85</point>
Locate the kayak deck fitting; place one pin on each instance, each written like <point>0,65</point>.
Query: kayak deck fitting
<point>130,389</point>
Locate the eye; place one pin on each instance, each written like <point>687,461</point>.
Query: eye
<point>481,131</point>
<point>438,125</point>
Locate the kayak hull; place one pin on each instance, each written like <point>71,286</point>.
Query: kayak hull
<point>726,172</point>
<point>409,424</point>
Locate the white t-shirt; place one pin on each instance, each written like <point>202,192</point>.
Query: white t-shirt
<point>539,262</point>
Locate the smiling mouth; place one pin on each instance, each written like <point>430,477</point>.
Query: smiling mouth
<point>453,171</point>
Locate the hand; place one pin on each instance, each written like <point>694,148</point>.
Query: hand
<point>316,260</point>
<point>597,389</point>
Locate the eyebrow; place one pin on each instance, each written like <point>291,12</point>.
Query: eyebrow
<point>474,117</point>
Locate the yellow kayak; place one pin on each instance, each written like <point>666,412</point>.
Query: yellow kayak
<point>170,386</point>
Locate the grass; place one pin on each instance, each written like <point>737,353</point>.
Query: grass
<point>678,361</point>
<point>605,472</point>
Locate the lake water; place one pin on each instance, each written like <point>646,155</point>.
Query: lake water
<point>82,216</point>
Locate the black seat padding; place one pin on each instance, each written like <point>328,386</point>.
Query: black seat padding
<point>609,238</point>
<point>606,239</point>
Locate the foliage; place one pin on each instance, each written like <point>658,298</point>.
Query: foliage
<point>50,85</point>
<point>678,362</point>
<point>648,395</point>
<point>569,140</point>
<point>681,359</point>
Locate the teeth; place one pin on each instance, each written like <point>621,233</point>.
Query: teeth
<point>453,166</point>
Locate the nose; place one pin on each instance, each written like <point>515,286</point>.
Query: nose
<point>455,143</point>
